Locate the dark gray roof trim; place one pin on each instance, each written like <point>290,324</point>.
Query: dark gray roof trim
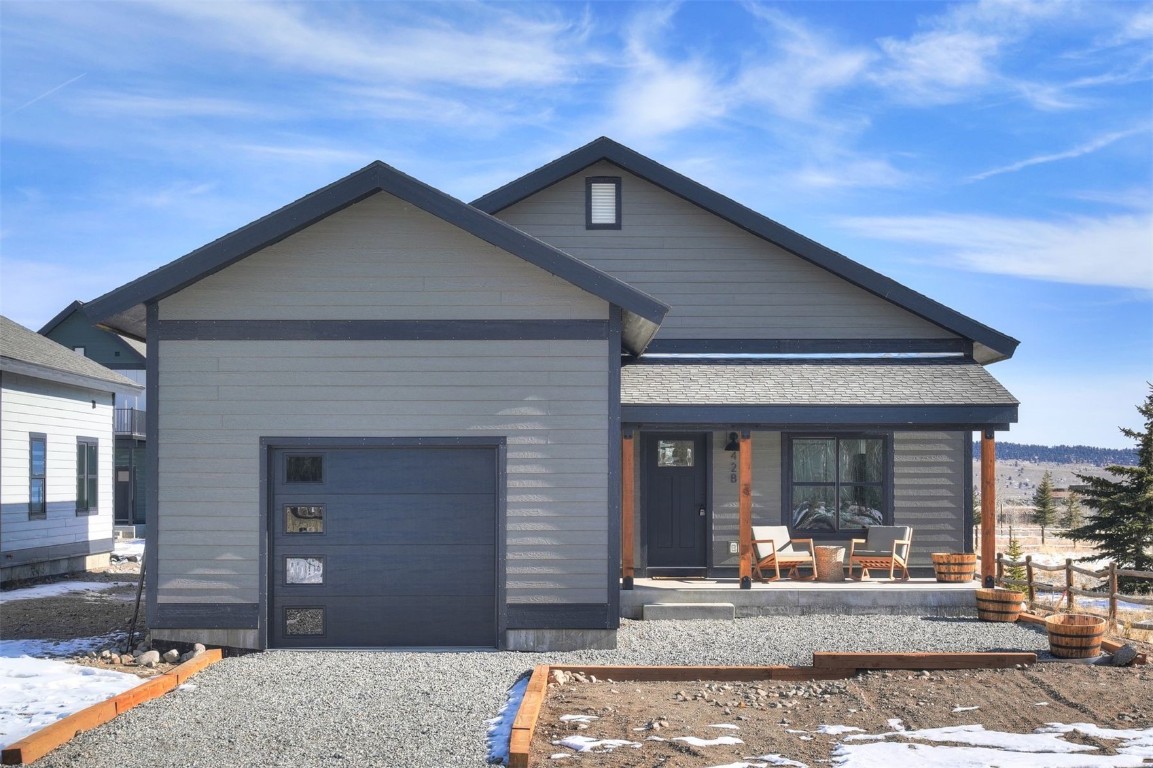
<point>822,418</point>
<point>28,353</point>
<point>373,178</point>
<point>61,316</point>
<point>998,345</point>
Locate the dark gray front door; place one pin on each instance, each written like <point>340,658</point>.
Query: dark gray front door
<point>122,495</point>
<point>383,546</point>
<point>675,500</point>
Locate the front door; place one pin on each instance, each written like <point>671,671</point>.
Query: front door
<point>675,502</point>
<point>122,495</point>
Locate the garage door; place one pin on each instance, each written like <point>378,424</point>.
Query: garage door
<point>383,546</point>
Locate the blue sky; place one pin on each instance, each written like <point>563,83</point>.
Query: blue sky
<point>996,156</point>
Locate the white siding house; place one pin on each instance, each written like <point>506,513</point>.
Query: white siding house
<point>56,444</point>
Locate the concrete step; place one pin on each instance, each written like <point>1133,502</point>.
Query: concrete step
<point>686,611</point>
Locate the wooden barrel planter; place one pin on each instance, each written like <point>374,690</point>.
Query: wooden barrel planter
<point>1075,635</point>
<point>954,566</point>
<point>999,604</point>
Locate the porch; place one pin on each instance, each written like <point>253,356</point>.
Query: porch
<point>917,596</point>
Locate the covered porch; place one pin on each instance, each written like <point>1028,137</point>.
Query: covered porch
<point>711,448</point>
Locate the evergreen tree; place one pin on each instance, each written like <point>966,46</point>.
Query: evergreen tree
<point>1015,576</point>
<point>1122,527</point>
<point>1071,513</point>
<point>1044,508</point>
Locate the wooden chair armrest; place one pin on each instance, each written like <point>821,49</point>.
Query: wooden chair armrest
<point>807,543</point>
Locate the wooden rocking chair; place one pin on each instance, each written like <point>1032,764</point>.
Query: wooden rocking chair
<point>773,548</point>
<point>887,546</point>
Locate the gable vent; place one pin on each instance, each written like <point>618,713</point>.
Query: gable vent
<point>603,202</point>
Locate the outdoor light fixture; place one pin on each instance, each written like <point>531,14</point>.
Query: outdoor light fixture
<point>733,444</point>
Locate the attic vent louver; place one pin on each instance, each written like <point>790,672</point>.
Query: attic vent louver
<point>603,202</point>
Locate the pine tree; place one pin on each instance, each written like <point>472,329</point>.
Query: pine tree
<point>1044,508</point>
<point>1015,575</point>
<point>1071,514</point>
<point>1122,527</point>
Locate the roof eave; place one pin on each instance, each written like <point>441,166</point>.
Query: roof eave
<point>48,373</point>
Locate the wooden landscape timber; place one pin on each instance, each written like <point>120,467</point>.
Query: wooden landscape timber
<point>36,745</point>
<point>826,666</point>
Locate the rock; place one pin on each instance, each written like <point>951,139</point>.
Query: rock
<point>198,649</point>
<point>149,659</point>
<point>127,658</point>
<point>106,654</point>
<point>172,656</point>
<point>560,676</point>
<point>187,656</point>
<point>114,659</point>
<point>1124,656</point>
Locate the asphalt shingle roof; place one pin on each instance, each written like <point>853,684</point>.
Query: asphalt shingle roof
<point>824,382</point>
<point>21,345</point>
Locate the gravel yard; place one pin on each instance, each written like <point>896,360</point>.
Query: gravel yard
<point>420,710</point>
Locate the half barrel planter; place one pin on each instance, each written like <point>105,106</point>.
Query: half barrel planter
<point>1075,635</point>
<point>999,604</point>
<point>954,566</point>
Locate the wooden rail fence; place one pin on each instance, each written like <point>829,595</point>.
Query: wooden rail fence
<point>1068,591</point>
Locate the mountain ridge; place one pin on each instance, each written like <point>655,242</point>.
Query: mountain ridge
<point>1062,454</point>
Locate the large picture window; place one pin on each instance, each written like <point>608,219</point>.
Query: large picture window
<point>87,475</point>
<point>37,476</point>
<point>838,483</point>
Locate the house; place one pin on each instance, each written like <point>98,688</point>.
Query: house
<point>381,416</point>
<point>125,355</point>
<point>56,452</point>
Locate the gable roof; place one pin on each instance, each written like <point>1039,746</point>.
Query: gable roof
<point>989,345</point>
<point>123,308</point>
<point>26,352</point>
<point>136,349</point>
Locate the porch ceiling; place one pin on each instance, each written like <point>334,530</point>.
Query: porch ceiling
<point>900,392</point>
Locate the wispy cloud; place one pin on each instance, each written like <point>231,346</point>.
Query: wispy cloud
<point>152,107</point>
<point>480,46</point>
<point>661,94</point>
<point>1082,149</point>
<point>802,68</point>
<point>1108,251</point>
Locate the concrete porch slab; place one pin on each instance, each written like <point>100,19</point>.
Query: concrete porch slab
<point>688,611</point>
<point>915,597</point>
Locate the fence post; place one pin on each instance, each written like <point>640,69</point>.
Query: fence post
<point>1029,580</point>
<point>1000,569</point>
<point>1113,592</point>
<point>1069,583</point>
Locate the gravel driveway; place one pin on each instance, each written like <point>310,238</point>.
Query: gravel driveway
<point>428,710</point>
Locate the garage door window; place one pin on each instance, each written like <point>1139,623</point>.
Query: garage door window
<point>304,570</point>
<point>304,469</point>
<point>304,518</point>
<point>303,621</point>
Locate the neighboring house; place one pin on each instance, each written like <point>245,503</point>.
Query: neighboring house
<point>56,453</point>
<point>125,355</point>
<point>381,416</point>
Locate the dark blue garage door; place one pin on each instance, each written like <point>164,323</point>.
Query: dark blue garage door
<point>383,546</point>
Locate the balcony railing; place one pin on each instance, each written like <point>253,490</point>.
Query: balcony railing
<point>129,421</point>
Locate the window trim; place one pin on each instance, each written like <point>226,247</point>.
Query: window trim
<point>39,511</point>
<point>887,482</point>
<point>90,506</point>
<point>589,182</point>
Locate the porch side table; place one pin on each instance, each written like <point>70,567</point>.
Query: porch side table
<point>829,563</point>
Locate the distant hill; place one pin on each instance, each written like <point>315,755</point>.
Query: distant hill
<point>1062,454</point>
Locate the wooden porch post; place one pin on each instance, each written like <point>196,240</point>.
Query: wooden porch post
<point>745,521</point>
<point>628,518</point>
<point>988,509</point>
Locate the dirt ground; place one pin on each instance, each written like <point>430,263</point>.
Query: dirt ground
<point>784,718</point>
<point>82,614</point>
